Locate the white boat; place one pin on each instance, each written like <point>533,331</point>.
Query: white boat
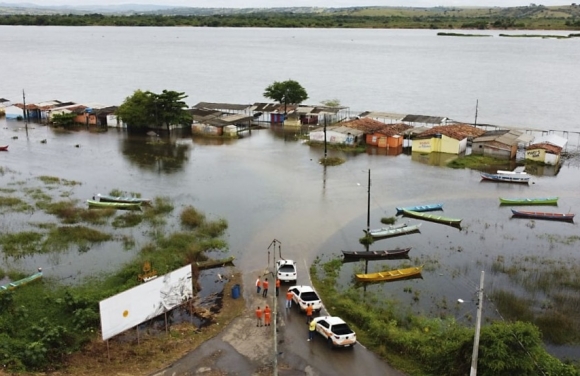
<point>386,232</point>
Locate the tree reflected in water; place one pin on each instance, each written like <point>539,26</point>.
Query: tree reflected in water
<point>161,154</point>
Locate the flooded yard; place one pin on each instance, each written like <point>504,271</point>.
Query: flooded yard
<point>270,185</point>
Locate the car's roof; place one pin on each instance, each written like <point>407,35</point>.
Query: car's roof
<point>302,288</point>
<point>332,320</point>
<point>286,262</point>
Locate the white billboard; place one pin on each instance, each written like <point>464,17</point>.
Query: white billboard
<point>141,303</point>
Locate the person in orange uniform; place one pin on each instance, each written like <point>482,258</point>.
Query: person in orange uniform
<point>277,286</point>
<point>267,314</point>
<point>289,299</point>
<point>265,287</point>
<point>259,317</point>
<point>309,313</point>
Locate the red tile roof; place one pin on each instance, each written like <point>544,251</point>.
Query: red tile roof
<point>547,147</point>
<point>369,126</point>
<point>456,131</point>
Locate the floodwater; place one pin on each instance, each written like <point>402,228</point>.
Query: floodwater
<point>269,185</point>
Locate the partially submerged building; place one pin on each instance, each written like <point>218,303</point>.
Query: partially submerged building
<point>546,149</point>
<point>502,144</point>
<point>451,139</point>
<point>337,134</point>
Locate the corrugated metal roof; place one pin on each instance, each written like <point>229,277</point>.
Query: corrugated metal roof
<point>551,139</point>
<point>383,115</point>
<point>424,119</point>
<point>237,118</point>
<point>223,106</point>
<point>265,107</point>
<point>341,129</point>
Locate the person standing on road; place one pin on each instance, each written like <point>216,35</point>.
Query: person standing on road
<point>267,313</point>
<point>311,330</point>
<point>258,285</point>
<point>265,284</point>
<point>277,286</point>
<point>259,317</point>
<point>309,313</point>
<point>289,299</point>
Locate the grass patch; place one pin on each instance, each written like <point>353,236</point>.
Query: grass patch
<point>478,162</point>
<point>7,190</point>
<point>213,229</point>
<point>61,238</point>
<point>389,220</point>
<point>129,219</point>
<point>21,243</point>
<point>49,179</point>
<point>331,161</point>
<point>366,240</point>
<point>191,217</point>
<point>461,35</point>
<point>340,147</point>
<point>14,204</point>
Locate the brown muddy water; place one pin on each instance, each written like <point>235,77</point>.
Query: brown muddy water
<point>269,185</point>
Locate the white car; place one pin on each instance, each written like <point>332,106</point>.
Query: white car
<point>336,332</point>
<point>304,295</point>
<point>286,270</point>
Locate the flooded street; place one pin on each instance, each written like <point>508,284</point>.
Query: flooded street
<point>269,185</point>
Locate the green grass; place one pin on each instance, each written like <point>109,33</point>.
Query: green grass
<point>21,243</point>
<point>191,217</point>
<point>478,161</point>
<point>331,161</point>
<point>61,238</point>
<point>129,219</point>
<point>14,204</point>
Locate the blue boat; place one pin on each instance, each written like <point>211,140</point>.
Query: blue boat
<point>421,208</point>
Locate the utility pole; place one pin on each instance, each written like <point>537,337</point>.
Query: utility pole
<point>275,305</point>
<point>24,111</point>
<point>477,328</point>
<point>476,106</point>
<point>325,139</point>
<point>368,218</point>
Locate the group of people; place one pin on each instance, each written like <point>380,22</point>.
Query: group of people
<point>267,314</point>
<point>263,286</point>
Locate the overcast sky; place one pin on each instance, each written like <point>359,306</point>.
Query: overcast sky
<point>298,3</point>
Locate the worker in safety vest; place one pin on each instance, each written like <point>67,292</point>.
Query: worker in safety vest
<point>259,316</point>
<point>265,285</point>
<point>289,296</point>
<point>267,313</point>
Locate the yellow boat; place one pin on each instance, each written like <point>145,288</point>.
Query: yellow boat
<point>390,275</point>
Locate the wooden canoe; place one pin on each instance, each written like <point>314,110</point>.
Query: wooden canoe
<point>506,178</point>
<point>20,282</point>
<point>4,148</point>
<point>433,218</point>
<point>386,232</point>
<point>130,200</point>
<point>390,275</point>
<point>421,208</point>
<point>377,255</point>
<point>208,264</point>
<point>543,215</point>
<point>529,201</point>
<point>114,205</point>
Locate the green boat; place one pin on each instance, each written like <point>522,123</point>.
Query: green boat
<point>114,205</point>
<point>529,201</point>
<point>23,281</point>
<point>433,217</point>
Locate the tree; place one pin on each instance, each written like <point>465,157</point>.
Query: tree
<point>286,92</point>
<point>144,109</point>
<point>64,119</point>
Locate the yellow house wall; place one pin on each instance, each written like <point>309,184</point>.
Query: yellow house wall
<point>422,146</point>
<point>537,155</point>
<point>449,145</point>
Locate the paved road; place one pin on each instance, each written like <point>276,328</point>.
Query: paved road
<point>244,349</point>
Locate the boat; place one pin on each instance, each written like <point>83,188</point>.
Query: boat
<point>543,215</point>
<point>4,148</point>
<point>390,275</point>
<point>421,208</point>
<point>208,264</point>
<point>130,200</point>
<point>377,255</point>
<point>516,177</point>
<point>386,232</point>
<point>114,205</point>
<point>529,201</point>
<point>433,218</point>
<point>23,281</point>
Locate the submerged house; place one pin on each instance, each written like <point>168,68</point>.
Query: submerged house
<point>217,123</point>
<point>546,149</point>
<point>378,133</point>
<point>451,139</point>
<point>502,144</point>
<point>337,134</point>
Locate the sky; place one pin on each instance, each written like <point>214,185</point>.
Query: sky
<point>298,3</point>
